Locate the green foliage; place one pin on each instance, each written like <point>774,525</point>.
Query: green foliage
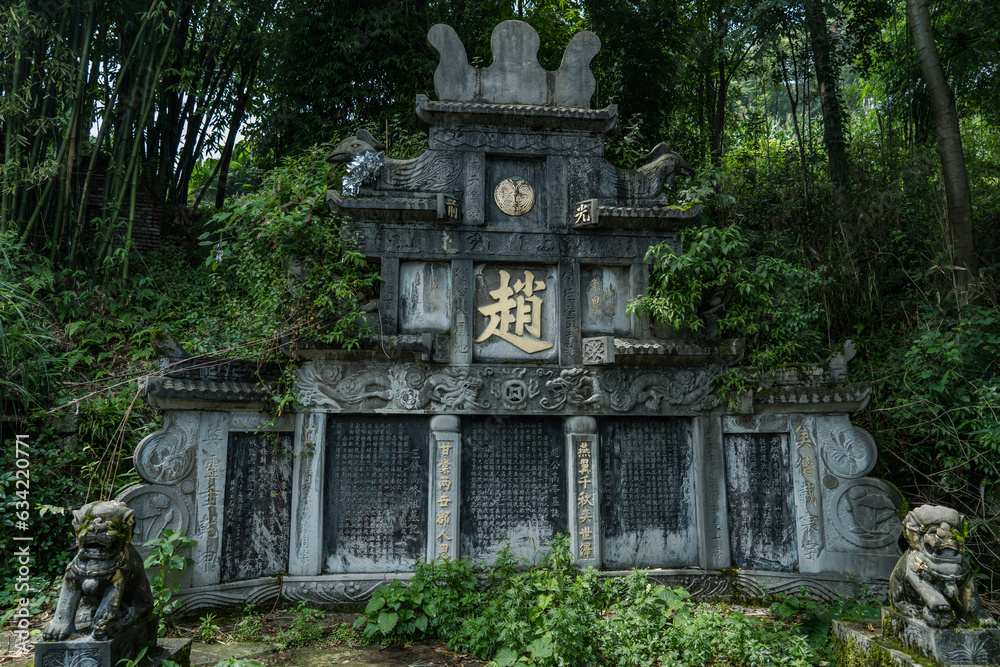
<point>550,613</point>
<point>165,555</point>
<point>306,627</point>
<point>287,223</point>
<point>429,605</point>
<point>774,301</point>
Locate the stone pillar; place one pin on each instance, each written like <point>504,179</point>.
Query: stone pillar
<point>306,544</point>
<point>805,477</point>
<point>584,491</point>
<point>639,279</point>
<point>475,178</point>
<point>570,337</point>
<point>210,495</point>
<point>444,509</point>
<point>462,295</point>
<point>389,298</point>
<point>710,493</point>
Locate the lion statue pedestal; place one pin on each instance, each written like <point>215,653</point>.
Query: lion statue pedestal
<point>104,613</point>
<point>936,608</point>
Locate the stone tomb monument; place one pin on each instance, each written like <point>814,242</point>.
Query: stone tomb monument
<point>508,394</point>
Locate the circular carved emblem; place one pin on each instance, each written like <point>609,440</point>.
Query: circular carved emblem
<point>865,511</point>
<point>514,391</point>
<point>514,196</point>
<point>850,453</point>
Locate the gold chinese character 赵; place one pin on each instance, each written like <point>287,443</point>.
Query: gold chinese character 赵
<point>443,517</point>
<point>585,499</point>
<point>586,550</point>
<point>585,515</point>
<point>524,313</point>
<point>582,213</point>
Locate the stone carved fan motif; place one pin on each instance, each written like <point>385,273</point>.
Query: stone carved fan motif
<point>514,197</point>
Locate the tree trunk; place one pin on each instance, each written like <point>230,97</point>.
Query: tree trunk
<point>829,97</point>
<point>949,145</point>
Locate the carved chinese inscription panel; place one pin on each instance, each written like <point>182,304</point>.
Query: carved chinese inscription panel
<point>513,485</point>
<point>647,504</point>
<point>760,497</point>
<point>375,494</point>
<point>605,296</point>
<point>424,297</point>
<point>516,313</point>
<point>258,504</point>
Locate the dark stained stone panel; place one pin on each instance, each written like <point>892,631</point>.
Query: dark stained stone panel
<point>647,497</point>
<point>375,494</point>
<point>513,485</point>
<point>760,497</point>
<point>258,505</point>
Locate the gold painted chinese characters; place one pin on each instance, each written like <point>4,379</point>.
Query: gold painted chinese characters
<point>511,318</point>
<point>514,197</point>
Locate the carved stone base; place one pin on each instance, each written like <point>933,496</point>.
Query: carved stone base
<point>950,646</point>
<point>84,651</point>
<point>175,650</point>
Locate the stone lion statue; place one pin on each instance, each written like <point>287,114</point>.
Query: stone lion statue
<point>105,589</point>
<point>933,578</point>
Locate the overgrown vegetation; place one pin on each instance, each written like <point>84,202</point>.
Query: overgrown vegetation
<point>553,614</point>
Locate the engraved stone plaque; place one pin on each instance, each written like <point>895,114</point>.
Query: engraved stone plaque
<point>513,485</point>
<point>516,313</point>
<point>605,295</point>
<point>375,494</point>
<point>647,495</point>
<point>760,497</point>
<point>257,512</point>
<point>424,297</point>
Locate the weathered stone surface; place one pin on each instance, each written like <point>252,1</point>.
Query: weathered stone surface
<point>950,646</point>
<point>933,583</point>
<point>515,77</point>
<point>105,592</point>
<point>513,486</point>
<point>86,651</point>
<point>255,535</point>
<point>760,497</point>
<point>647,494</point>
<point>425,297</point>
<point>375,507</point>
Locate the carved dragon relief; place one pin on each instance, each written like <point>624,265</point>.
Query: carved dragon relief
<point>432,171</point>
<point>418,388</point>
<point>652,390</point>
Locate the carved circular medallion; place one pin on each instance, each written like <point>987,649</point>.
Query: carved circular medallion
<point>166,456</point>
<point>156,508</point>
<point>514,196</point>
<point>514,391</point>
<point>850,453</point>
<point>866,513</point>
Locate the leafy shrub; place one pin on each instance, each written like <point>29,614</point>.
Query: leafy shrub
<point>306,627</point>
<point>165,555</point>
<point>774,301</point>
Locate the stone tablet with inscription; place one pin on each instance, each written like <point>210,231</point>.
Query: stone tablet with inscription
<point>760,497</point>
<point>258,505</point>
<point>513,485</point>
<point>647,498</point>
<point>375,494</point>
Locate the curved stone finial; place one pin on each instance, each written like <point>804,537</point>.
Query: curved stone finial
<point>514,77</point>
<point>454,78</point>
<point>574,82</point>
